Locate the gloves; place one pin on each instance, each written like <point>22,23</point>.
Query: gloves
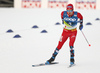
<point>81,27</point>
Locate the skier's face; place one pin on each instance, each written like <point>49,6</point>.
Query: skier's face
<point>70,12</point>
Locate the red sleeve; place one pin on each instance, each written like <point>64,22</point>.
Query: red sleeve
<point>62,14</point>
<point>79,16</point>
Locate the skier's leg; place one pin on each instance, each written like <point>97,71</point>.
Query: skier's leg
<point>63,38</point>
<point>60,44</point>
<point>72,55</point>
<point>71,44</point>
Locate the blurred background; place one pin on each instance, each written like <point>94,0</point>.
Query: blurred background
<point>6,3</point>
<point>79,4</point>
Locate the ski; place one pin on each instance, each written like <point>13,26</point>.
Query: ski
<point>43,64</point>
<point>71,65</point>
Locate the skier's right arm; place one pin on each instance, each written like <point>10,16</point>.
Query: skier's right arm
<point>62,16</point>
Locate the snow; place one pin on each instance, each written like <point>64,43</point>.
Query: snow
<point>18,54</point>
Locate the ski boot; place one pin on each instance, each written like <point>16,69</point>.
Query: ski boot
<point>72,63</point>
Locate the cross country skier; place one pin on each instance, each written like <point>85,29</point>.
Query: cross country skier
<point>69,18</point>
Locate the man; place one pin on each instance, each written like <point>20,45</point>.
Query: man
<point>70,19</point>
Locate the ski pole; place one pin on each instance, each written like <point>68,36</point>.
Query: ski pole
<point>85,38</point>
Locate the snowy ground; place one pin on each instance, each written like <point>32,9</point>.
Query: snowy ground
<point>18,54</point>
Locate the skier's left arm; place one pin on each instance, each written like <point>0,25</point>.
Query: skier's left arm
<point>81,19</point>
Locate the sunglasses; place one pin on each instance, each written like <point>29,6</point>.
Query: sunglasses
<point>69,10</point>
